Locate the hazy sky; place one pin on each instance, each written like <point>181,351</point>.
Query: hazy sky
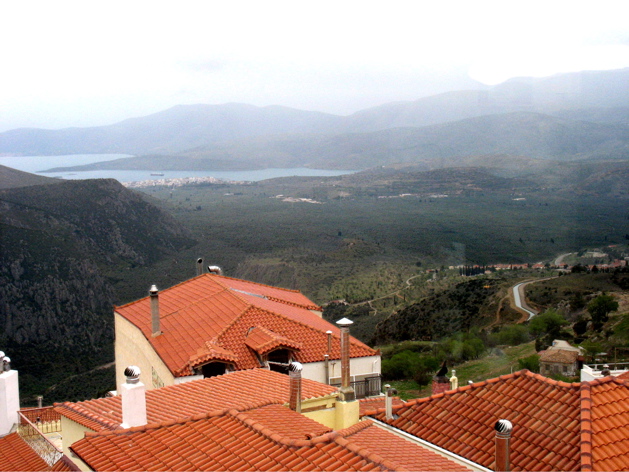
<point>97,62</point>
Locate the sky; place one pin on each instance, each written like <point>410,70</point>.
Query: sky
<point>91,63</point>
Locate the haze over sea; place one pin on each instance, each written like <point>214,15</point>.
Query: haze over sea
<point>39,164</point>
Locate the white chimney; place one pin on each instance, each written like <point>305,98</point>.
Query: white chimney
<point>9,396</point>
<point>154,295</point>
<point>294,374</point>
<point>133,394</point>
<point>388,401</point>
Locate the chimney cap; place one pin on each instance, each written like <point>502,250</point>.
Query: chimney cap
<point>295,367</point>
<point>153,290</point>
<point>344,322</point>
<point>132,373</point>
<point>328,332</point>
<point>503,426</point>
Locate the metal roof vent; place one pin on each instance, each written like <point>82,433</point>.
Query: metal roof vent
<point>215,270</point>
<point>132,373</point>
<point>6,364</point>
<point>503,426</point>
<point>295,367</point>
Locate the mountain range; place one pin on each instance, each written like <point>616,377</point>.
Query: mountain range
<point>568,116</point>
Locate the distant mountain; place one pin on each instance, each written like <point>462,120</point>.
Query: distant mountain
<point>532,135</point>
<point>12,178</point>
<point>176,129</point>
<point>58,245</point>
<point>186,127</point>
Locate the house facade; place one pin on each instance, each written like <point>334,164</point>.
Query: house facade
<point>212,324</point>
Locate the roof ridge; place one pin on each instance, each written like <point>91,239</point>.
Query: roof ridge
<point>277,437</point>
<point>585,447</point>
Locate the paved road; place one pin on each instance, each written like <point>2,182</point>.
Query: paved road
<point>518,297</point>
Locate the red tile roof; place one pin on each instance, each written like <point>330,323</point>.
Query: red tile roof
<point>209,317</point>
<point>239,390</point>
<point>16,455</point>
<point>406,454</point>
<point>262,439</point>
<point>609,424</point>
<point>556,425</point>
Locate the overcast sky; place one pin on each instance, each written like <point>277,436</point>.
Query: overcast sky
<point>96,62</point>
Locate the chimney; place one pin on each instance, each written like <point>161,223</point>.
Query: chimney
<point>294,374</point>
<point>133,394</point>
<point>155,310</point>
<point>215,270</point>
<point>326,357</point>
<point>199,266</point>
<point>347,408</point>
<point>9,396</point>
<point>347,392</point>
<point>388,401</point>
<point>503,435</point>
<point>454,381</point>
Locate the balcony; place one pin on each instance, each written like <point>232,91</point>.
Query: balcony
<point>40,428</point>
<point>594,371</point>
<point>368,387</point>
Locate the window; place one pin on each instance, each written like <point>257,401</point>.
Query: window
<point>213,369</point>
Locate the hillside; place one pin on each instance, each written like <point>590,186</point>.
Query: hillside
<point>60,246</point>
<point>13,178</point>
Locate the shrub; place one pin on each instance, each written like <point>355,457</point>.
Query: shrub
<point>531,363</point>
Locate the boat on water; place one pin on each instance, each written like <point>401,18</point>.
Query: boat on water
<point>156,174</point>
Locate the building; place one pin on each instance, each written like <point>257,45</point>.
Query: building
<point>213,324</point>
<point>561,358</point>
<point>556,425</point>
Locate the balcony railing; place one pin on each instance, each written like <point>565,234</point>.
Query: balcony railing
<point>368,387</point>
<point>46,419</point>
<point>33,436</point>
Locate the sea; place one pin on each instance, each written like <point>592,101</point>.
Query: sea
<point>41,164</point>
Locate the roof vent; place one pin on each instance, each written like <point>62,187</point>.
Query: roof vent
<point>503,426</point>
<point>6,364</point>
<point>503,437</point>
<point>295,367</point>
<point>132,373</point>
<point>215,270</point>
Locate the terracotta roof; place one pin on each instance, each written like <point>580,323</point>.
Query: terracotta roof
<point>16,455</point>
<point>609,424</point>
<point>624,376</point>
<point>209,317</point>
<point>406,454</point>
<point>559,355</point>
<point>263,341</point>
<point>239,389</point>
<point>233,440</point>
<point>556,425</point>
<point>369,406</point>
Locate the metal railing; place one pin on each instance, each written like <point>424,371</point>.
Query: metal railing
<point>368,387</point>
<point>34,437</point>
<point>46,419</point>
<point>610,365</point>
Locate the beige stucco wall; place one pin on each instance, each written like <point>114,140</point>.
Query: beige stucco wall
<point>132,348</point>
<point>359,366</point>
<point>71,432</point>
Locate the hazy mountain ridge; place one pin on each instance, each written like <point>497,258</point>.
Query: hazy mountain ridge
<point>186,127</point>
<point>12,178</point>
<point>515,134</point>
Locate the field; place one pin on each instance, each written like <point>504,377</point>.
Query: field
<point>358,246</point>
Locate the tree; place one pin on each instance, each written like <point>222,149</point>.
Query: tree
<point>531,363</point>
<point>600,308</point>
<point>548,323</point>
